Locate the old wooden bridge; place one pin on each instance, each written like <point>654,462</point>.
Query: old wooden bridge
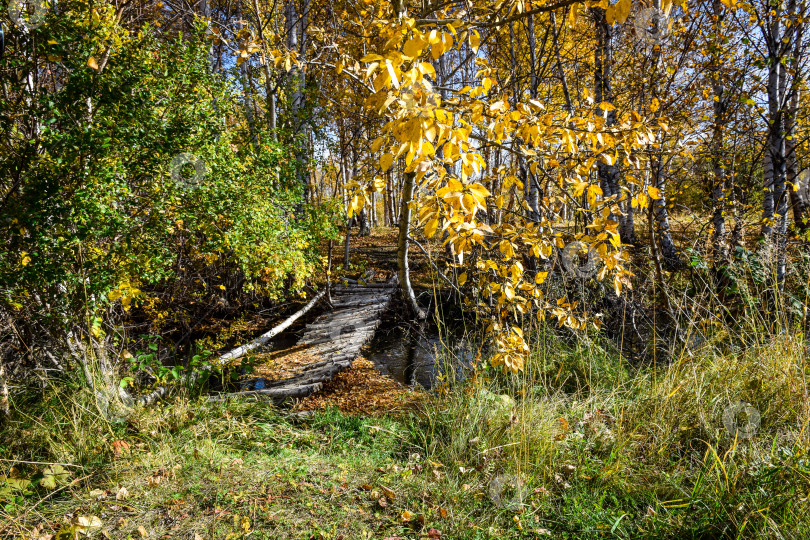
<point>331,342</point>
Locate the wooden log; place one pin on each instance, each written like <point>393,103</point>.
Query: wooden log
<point>384,289</point>
<point>366,286</point>
<point>341,341</point>
<point>347,320</point>
<point>276,394</point>
<point>360,303</point>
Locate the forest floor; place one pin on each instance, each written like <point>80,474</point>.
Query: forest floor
<point>246,470</point>
<point>578,446</point>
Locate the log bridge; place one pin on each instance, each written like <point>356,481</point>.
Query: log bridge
<point>333,340</point>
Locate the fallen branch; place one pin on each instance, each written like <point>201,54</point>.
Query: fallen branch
<point>191,378</point>
<point>276,330</point>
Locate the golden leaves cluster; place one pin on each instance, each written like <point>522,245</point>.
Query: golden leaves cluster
<point>440,141</point>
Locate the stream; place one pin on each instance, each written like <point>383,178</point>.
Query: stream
<point>418,358</point>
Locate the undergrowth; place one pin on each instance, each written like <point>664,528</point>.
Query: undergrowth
<point>579,445</point>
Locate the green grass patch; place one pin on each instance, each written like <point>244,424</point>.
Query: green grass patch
<point>577,446</point>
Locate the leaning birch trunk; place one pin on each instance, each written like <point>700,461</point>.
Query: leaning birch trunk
<point>191,378</point>
<point>276,330</point>
<point>404,244</point>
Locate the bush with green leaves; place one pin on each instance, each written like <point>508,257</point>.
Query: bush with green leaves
<point>98,207</point>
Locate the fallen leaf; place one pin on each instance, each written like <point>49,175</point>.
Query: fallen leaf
<point>142,531</point>
<point>120,448</point>
<point>406,516</point>
<point>434,533</point>
<point>122,494</point>
<point>87,524</point>
<point>388,492</point>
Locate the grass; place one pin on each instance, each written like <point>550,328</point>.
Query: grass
<point>580,445</point>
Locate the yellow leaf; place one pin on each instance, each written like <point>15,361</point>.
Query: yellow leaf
<point>622,11</point>
<point>430,228</point>
<point>371,58</point>
<point>393,73</point>
<point>436,50</point>
<point>462,279</point>
<point>24,258</point>
<point>475,40</point>
<point>413,47</point>
<point>427,69</point>
<point>572,15</point>
<point>653,192</point>
<point>447,41</point>
<point>386,160</point>
<point>579,188</point>
<point>356,205</point>
<point>406,516</point>
<point>91,62</point>
<point>593,191</point>
<point>610,14</point>
<point>508,291</point>
<point>377,144</point>
<point>507,249</point>
<point>605,106</point>
<point>654,104</point>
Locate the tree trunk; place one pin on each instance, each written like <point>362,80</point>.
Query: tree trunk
<point>669,253</point>
<point>603,90</point>
<point>775,203</point>
<point>799,202</point>
<point>296,27</point>
<point>363,223</point>
<point>403,245</point>
<point>719,183</point>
